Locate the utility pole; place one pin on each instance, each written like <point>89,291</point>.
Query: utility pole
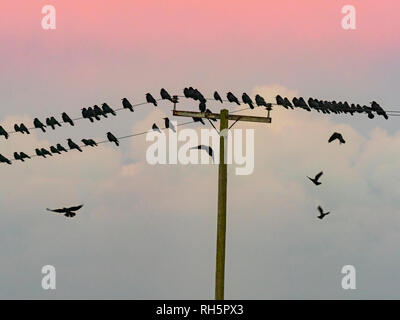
<point>224,116</point>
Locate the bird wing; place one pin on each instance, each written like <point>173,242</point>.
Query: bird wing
<point>333,137</point>
<point>320,210</point>
<point>57,210</point>
<point>75,208</point>
<point>318,175</point>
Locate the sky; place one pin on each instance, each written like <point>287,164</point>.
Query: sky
<point>143,232</point>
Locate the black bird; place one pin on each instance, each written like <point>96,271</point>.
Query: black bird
<point>23,156</point>
<point>107,109</point>
<point>165,95</point>
<point>186,92</point>
<point>72,145</point>
<point>127,105</point>
<point>198,120</point>
<point>150,99</point>
<point>93,114</point>
<point>231,98</point>
<point>315,180</point>
<point>38,124</point>
<point>246,99</point>
<point>287,103</point>
<point>112,138</point>
<point>61,148</point>
<point>4,159</point>
<point>45,152</point>
<point>18,157</point>
<point>17,128</point>
<point>98,111</point>
<point>24,129</point>
<point>3,132</point>
<point>322,214</point>
<point>217,97</point>
<point>202,106</point>
<point>279,100</point>
<point>50,123</point>
<point>39,153</point>
<point>89,142</point>
<point>169,125</point>
<point>86,115</point>
<point>209,111</point>
<point>208,149</point>
<point>68,212</point>
<point>54,121</point>
<point>54,150</point>
<point>336,135</point>
<point>260,101</point>
<point>378,109</point>
<point>155,128</point>
<point>67,119</point>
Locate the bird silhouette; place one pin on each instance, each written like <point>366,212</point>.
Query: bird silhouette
<point>72,145</point>
<point>112,138</point>
<point>208,149</point>
<point>316,178</point>
<point>287,103</point>
<point>54,150</point>
<point>155,128</point>
<point>198,120</point>
<point>107,109</point>
<point>150,99</point>
<point>89,142</point>
<point>260,101</point>
<point>378,109</point>
<point>231,98</point>
<point>50,123</point>
<point>39,125</point>
<point>68,212</point>
<point>165,95</point>
<point>217,97</point>
<point>279,100</point>
<point>322,214</point>
<point>169,125</point>
<point>3,132</point>
<point>23,156</point>
<point>127,105</point>
<point>186,92</point>
<point>61,148</point>
<point>86,115</point>
<point>45,152</point>
<point>93,114</point>
<point>202,106</point>
<point>24,129</point>
<point>65,117</point>
<point>99,112</point>
<point>17,128</point>
<point>18,157</point>
<point>336,135</point>
<point>55,121</point>
<point>209,111</point>
<point>3,159</point>
<point>39,153</point>
<point>247,100</point>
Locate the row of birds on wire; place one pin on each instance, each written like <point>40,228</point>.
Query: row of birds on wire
<point>96,112</point>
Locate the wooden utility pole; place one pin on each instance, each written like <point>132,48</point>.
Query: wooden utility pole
<point>224,116</point>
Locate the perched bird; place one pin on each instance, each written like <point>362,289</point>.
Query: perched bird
<point>53,120</point>
<point>3,159</point>
<point>68,212</point>
<point>23,156</point>
<point>247,100</point>
<point>50,123</point>
<point>198,120</point>
<point>378,109</point>
<point>322,214</point>
<point>208,149</point>
<point>89,142</point>
<point>67,119</point>
<point>287,103</point>
<point>127,105</point>
<point>107,109</point>
<point>169,125</point>
<point>155,128</point>
<point>231,98</point>
<point>150,99</point>
<point>86,115</point>
<point>39,153</point>
<point>260,101</point>
<point>45,152</point>
<point>209,111</point>
<point>112,138</point>
<point>39,125</point>
<point>98,111</point>
<point>186,92</point>
<point>61,148</point>
<point>165,95</point>
<point>18,157</point>
<point>92,113</point>
<point>336,135</point>
<point>217,97</point>
<point>279,100</point>
<point>17,128</point>
<point>202,106</point>
<point>316,178</point>
<point>72,145</point>
<point>54,150</point>
<point>3,132</point>
<point>24,129</point>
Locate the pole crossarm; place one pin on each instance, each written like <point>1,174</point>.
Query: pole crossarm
<point>209,115</point>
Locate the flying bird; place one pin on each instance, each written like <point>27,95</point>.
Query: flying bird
<point>3,159</point>
<point>208,149</point>
<point>3,132</point>
<point>217,97</point>
<point>68,212</point>
<point>316,178</point>
<point>155,128</point>
<point>165,95</point>
<point>39,125</point>
<point>107,109</point>
<point>322,214</point>
<point>89,142</point>
<point>112,138</point>
<point>72,145</point>
<point>231,98</point>
<point>67,119</point>
<point>150,99</point>
<point>54,150</point>
<point>246,99</point>
<point>336,135</point>
<point>61,148</point>
<point>169,125</point>
<point>127,105</point>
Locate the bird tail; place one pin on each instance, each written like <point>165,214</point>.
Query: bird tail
<point>117,143</point>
